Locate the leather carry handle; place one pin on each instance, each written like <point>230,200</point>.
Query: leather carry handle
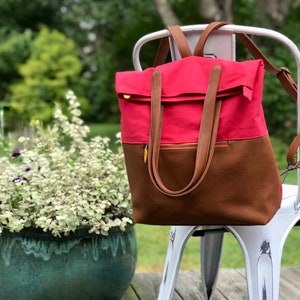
<point>282,74</point>
<point>199,48</point>
<point>207,134</point>
<point>180,41</point>
<point>164,47</point>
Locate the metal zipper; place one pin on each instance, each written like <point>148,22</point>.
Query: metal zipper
<point>186,146</point>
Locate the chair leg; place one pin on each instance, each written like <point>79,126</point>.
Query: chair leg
<point>178,238</point>
<point>211,250</point>
<point>262,247</point>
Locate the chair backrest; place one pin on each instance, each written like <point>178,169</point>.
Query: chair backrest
<point>212,46</point>
<point>225,33</point>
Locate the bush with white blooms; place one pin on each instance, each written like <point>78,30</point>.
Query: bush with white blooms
<point>58,180</point>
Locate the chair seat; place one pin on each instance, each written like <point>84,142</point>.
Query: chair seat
<point>289,194</point>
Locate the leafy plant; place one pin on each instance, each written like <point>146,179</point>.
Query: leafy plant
<point>57,180</point>
<point>53,64</point>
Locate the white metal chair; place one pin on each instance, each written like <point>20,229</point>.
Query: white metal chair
<point>262,246</point>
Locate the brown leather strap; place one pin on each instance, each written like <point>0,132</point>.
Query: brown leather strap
<point>244,38</point>
<point>199,48</point>
<point>282,74</point>
<point>288,83</point>
<point>162,52</point>
<point>180,41</point>
<point>292,152</point>
<point>207,134</point>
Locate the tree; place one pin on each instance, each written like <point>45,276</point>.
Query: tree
<point>273,13</point>
<point>14,50</point>
<point>167,14</point>
<point>270,13</point>
<point>19,22</point>
<point>106,32</point>
<point>53,66</point>
<point>20,15</point>
<point>216,10</point>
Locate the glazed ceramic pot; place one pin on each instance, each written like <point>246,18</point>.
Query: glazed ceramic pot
<point>35,265</point>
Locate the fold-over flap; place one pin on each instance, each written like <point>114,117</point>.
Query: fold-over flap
<point>187,79</point>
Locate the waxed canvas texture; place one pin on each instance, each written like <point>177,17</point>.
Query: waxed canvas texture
<point>184,84</point>
<point>242,185</point>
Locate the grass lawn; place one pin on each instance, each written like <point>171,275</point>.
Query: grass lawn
<point>108,130</point>
<point>153,240</point>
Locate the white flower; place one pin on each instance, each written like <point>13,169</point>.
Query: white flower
<point>58,180</point>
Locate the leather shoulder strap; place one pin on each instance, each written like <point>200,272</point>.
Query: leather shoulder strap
<point>282,74</point>
<point>180,40</point>
<point>162,52</point>
<point>199,48</point>
<point>164,46</point>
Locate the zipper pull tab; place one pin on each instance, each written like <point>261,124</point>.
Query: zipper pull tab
<point>145,153</point>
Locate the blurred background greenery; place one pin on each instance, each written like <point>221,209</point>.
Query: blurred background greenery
<point>49,46</point>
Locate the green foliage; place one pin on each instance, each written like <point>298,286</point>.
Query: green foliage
<point>280,110</point>
<point>53,66</point>
<point>280,150</point>
<point>108,31</point>
<point>20,15</point>
<point>245,12</point>
<point>14,49</point>
<point>186,11</point>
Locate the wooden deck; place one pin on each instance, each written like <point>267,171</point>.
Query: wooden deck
<point>231,285</point>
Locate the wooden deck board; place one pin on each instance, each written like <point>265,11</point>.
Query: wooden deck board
<point>231,285</point>
<point>289,283</point>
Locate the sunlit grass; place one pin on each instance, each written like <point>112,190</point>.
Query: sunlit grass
<point>153,242</point>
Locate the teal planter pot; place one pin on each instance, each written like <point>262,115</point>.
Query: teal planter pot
<point>36,266</point>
